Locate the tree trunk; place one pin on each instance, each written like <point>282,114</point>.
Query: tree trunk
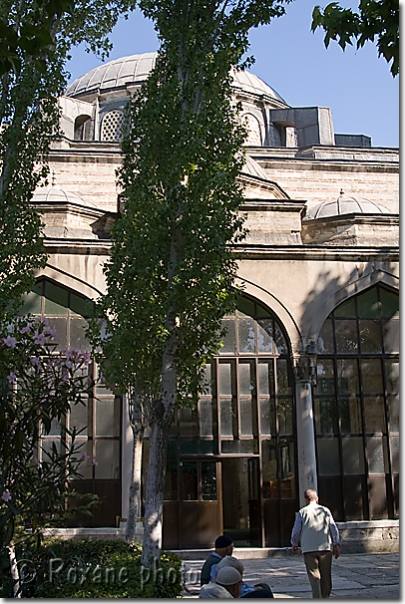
<point>134,510</point>
<point>158,442</point>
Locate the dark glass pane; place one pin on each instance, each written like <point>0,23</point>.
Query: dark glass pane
<point>60,338</point>
<point>389,303</point>
<point>346,336</point>
<point>393,411</point>
<point>239,446</point>
<point>225,378</point>
<point>31,302</point>
<point>246,335</point>
<point>287,486</point>
<point>279,338</point>
<point>267,419</point>
<point>171,482</point>
<point>229,340</point>
<point>198,447</point>
<point>377,455</point>
<point>80,306</point>
<point>325,340</point>
<point>189,422</point>
<point>347,376</point>
<point>207,385</point>
<point>374,414</point>
<point>367,304</point>
<point>190,480</point>
<point>56,299</point>
<point>391,335</point>
<point>371,376</point>
<point>285,416</point>
<point>209,481</point>
<point>265,340</point>
<point>392,376</point>
<point>228,417</point>
<point>261,311</point>
<point>206,417</point>
<point>328,456</point>
<point>346,309</point>
<point>107,417</point>
<point>350,415</point>
<point>246,417</point>
<point>325,383</point>
<point>370,336</point>
<point>246,307</point>
<point>395,453</point>
<point>269,470</point>
<point>325,416</point>
<point>78,418</point>
<point>353,455</point>
<point>283,385</point>
<point>108,459</point>
<point>78,334</point>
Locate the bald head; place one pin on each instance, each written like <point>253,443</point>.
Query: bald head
<point>311,495</point>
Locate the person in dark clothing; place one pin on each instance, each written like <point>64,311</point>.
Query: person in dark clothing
<point>223,547</point>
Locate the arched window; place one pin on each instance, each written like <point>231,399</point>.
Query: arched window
<point>246,419</point>
<point>99,420</point>
<point>82,124</point>
<point>254,137</point>
<point>357,407</point>
<point>112,126</point>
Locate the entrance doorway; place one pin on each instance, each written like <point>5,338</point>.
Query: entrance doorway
<point>241,507</point>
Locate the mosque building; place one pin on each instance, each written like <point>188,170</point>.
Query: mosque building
<point>305,389</point>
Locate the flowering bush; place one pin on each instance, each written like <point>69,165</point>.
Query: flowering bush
<point>38,387</point>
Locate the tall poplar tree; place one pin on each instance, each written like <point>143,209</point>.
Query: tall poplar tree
<point>171,274</point>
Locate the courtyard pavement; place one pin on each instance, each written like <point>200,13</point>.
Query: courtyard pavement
<point>354,576</point>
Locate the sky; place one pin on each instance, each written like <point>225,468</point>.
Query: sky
<point>356,85</point>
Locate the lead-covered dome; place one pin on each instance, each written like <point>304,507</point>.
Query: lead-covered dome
<point>134,69</point>
<point>345,205</point>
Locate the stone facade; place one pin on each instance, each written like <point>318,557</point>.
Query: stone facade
<point>297,263</point>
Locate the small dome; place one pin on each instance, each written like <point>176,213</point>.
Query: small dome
<point>134,69</point>
<point>252,168</point>
<point>53,194</point>
<point>344,205</point>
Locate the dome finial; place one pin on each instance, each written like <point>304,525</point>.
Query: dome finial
<point>341,193</point>
<point>53,177</point>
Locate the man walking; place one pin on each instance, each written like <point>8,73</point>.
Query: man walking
<point>315,528</point>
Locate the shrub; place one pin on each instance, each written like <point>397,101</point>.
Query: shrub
<point>99,569</point>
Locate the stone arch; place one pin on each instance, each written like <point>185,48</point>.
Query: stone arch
<point>71,282</point>
<point>347,291</point>
<point>82,128</point>
<point>254,137</point>
<point>285,317</point>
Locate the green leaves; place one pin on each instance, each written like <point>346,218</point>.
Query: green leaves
<point>376,20</point>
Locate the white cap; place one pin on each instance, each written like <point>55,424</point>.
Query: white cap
<point>228,576</point>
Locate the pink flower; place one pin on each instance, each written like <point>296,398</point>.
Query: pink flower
<point>50,331</point>
<point>69,364</point>
<point>10,341</point>
<point>25,329</point>
<point>6,496</point>
<point>36,361</point>
<point>11,378</point>
<point>95,462</point>
<point>39,338</point>
<point>84,456</point>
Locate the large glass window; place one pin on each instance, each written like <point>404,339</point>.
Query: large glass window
<point>100,419</point>
<point>357,408</point>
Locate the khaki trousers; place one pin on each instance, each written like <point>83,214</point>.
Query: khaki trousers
<point>319,570</point>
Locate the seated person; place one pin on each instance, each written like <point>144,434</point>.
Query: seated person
<point>260,590</point>
<point>227,585</point>
<point>223,547</point>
